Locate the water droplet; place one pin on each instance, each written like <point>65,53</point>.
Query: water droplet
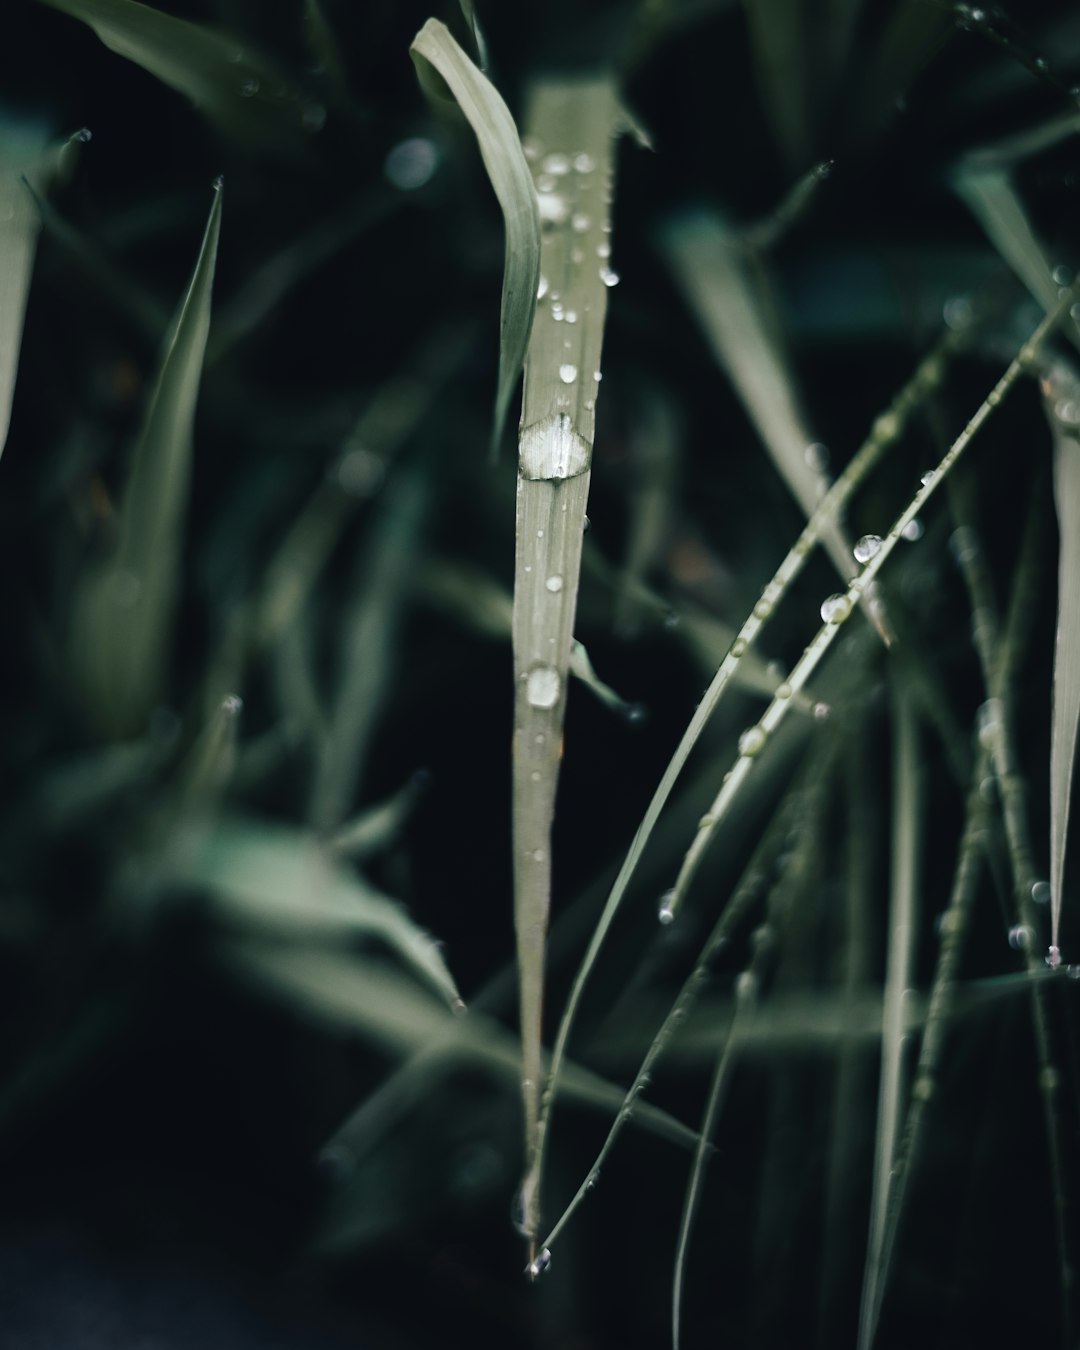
<point>964,544</point>
<point>867,547</point>
<point>360,472</point>
<point>672,619</point>
<point>987,722</point>
<point>635,713</point>
<point>411,163</point>
<point>568,374</point>
<point>593,1178</point>
<point>821,711</point>
<point>580,222</point>
<point>666,912</point>
<point>746,986</point>
<point>531,148</point>
<point>538,855</point>
<point>546,182</point>
<point>249,88</point>
<point>603,250</point>
<point>535,775</point>
<point>608,277</point>
<point>219,182</point>
<point>957,312</point>
<point>835,608</point>
<point>597,376</point>
<point>556,164</point>
<point>542,287</point>
<point>752,741</point>
<point>1053,957</point>
<point>584,162</point>
<point>232,705</point>
<point>554,208</point>
<point>817,457</point>
<point>928,477</point>
<point>1062,275</point>
<point>1067,411</point>
<point>84,134</point>
<point>586,525</point>
<point>554,584</point>
<point>542,687</point>
<point>536,1268</point>
<point>912,531</point>
<point>1019,937</point>
<point>1040,892</point>
<point>571,316</point>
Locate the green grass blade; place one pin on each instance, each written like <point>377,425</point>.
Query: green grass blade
<point>21,150</point>
<point>434,49</point>
<point>1064,421</point>
<point>570,126</point>
<point>781,51</point>
<point>468,10</point>
<point>272,881</point>
<point>900,963</point>
<point>712,265</point>
<point>123,621</point>
<point>238,90</point>
<point>994,203</point>
<point>369,646</point>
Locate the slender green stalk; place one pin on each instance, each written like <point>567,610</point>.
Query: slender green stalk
<point>570,128</point>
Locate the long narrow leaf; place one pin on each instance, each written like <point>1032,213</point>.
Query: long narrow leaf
<point>1065,426</point>
<point>500,148</point>
<point>123,620</point>
<point>570,126</point>
<point>237,89</point>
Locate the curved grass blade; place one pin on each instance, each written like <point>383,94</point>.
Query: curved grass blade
<point>273,881</point>
<point>1064,414</point>
<point>434,50</point>
<point>122,624</point>
<point>22,162</point>
<point>571,123</point>
<point>241,92</point>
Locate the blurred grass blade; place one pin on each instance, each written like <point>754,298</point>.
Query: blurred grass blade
<point>377,828</point>
<point>571,125</point>
<point>898,978</point>
<point>782,53</point>
<point>1063,400</point>
<point>434,49</point>
<point>992,200</point>
<point>273,881</point>
<point>582,668</point>
<point>711,265</point>
<point>913,34</point>
<point>123,617</point>
<point>22,154</point>
<point>468,9</point>
<point>326,49</point>
<point>655,446</point>
<point>238,90</point>
<point>369,649</point>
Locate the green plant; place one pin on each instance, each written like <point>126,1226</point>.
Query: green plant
<point>739,974</point>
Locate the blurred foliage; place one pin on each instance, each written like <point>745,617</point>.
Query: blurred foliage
<point>240,892</point>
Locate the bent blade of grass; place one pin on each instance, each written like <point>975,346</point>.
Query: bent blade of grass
<point>711,262</point>
<point>756,738</point>
<point>123,618</point>
<point>572,122</point>
<point>434,50</point>
<point>1065,714</point>
<point>239,90</point>
<point>907,810</point>
<point>884,432</point>
<point>22,156</point>
<point>271,881</point>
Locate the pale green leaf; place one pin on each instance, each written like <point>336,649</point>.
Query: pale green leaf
<point>434,49</point>
<point>236,88</point>
<point>122,626</point>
